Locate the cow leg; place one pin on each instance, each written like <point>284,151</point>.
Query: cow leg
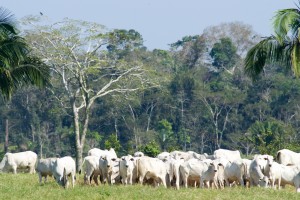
<point>14,169</point>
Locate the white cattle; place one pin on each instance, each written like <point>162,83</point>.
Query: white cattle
<point>247,164</point>
<point>192,169</point>
<point>102,153</point>
<point>181,155</point>
<point>288,157</point>
<point>138,154</point>
<point>106,165</point>
<point>21,160</point>
<point>44,168</point>
<point>256,174</point>
<point>154,168</point>
<point>283,174</point>
<point>91,169</point>
<point>174,173</point>
<point>235,171</point>
<point>163,156</point>
<point>227,154</point>
<point>128,169</point>
<point>62,168</point>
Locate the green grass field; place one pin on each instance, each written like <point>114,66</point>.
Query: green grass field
<point>26,186</point>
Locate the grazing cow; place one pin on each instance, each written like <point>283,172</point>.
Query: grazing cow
<point>283,174</point>
<point>44,168</point>
<point>235,171</point>
<point>21,160</point>
<point>288,157</point>
<point>227,154</point>
<point>91,169</point>
<point>256,175</point>
<point>106,165</point>
<point>128,169</point>
<point>62,168</point>
<point>151,168</point>
<point>138,154</point>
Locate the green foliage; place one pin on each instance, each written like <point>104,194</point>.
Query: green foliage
<point>224,53</point>
<point>151,149</point>
<point>165,132</point>
<point>112,142</point>
<point>270,136</point>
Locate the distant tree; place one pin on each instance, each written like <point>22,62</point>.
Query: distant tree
<point>90,64</point>
<point>224,54</point>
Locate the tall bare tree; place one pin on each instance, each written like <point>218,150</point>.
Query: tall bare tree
<point>89,62</point>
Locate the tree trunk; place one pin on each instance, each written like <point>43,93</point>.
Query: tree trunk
<point>6,136</point>
<point>78,144</point>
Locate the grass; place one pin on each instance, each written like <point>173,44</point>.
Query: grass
<point>26,186</point>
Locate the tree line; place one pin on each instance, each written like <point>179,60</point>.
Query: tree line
<point>103,88</point>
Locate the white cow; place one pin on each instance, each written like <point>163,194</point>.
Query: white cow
<point>181,154</point>
<point>154,168</point>
<point>62,168</point>
<point>235,171</point>
<point>138,154</point>
<point>21,160</point>
<point>128,169</point>
<point>106,165</point>
<point>247,164</point>
<point>174,173</point>
<point>227,154</point>
<point>102,153</point>
<point>283,174</point>
<point>163,156</point>
<point>91,169</point>
<point>192,169</point>
<point>44,168</point>
<point>288,157</point>
<point>257,178</point>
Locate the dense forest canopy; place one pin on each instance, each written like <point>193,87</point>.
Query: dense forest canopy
<point>108,90</point>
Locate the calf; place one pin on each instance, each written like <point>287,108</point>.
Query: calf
<point>44,168</point>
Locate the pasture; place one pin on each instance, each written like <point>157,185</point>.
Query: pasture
<point>26,186</point>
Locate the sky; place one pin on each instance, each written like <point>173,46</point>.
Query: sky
<point>160,22</point>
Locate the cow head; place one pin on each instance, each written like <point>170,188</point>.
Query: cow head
<point>264,182</point>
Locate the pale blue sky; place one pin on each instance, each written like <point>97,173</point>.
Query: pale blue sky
<point>160,22</point>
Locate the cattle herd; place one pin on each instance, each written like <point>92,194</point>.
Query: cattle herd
<point>225,168</point>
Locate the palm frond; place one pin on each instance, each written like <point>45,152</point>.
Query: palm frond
<point>295,58</point>
<point>266,51</point>
<point>7,23</point>
<point>282,22</point>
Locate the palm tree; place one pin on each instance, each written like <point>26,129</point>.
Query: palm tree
<point>282,48</point>
<point>17,67</point>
